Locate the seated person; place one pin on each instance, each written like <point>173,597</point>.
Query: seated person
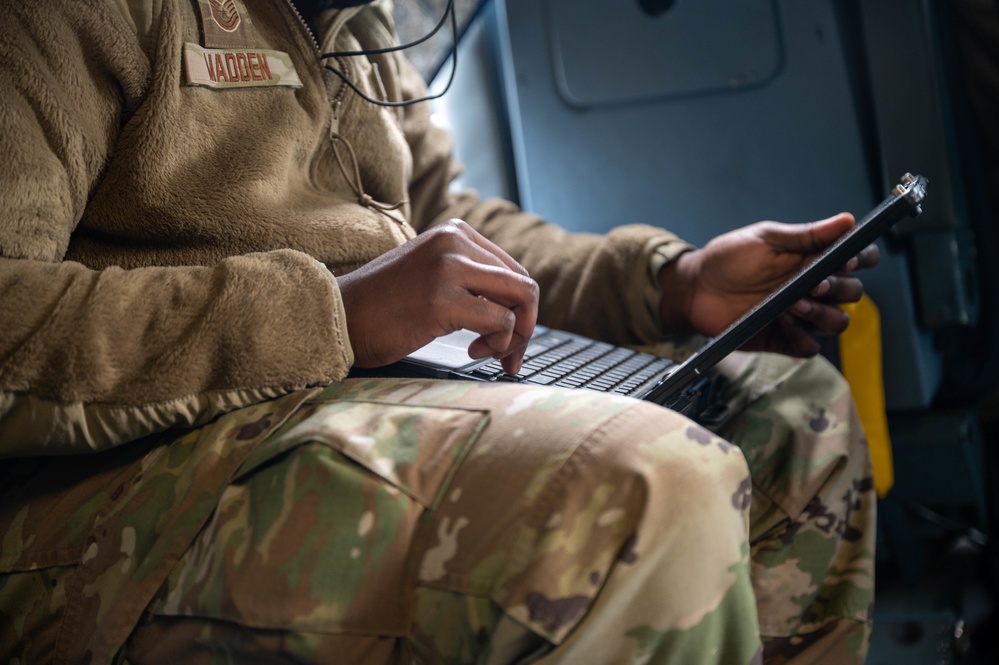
<point>202,230</point>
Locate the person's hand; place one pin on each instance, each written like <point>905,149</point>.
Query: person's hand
<point>707,289</point>
<point>446,279</point>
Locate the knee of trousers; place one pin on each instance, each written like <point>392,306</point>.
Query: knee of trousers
<point>642,459</point>
<point>690,477</point>
<point>649,475</point>
<point>661,456</point>
<point>591,469</point>
<point>647,496</point>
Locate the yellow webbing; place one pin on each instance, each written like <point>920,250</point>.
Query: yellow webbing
<point>860,358</point>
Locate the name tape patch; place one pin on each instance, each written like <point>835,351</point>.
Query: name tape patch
<point>238,68</point>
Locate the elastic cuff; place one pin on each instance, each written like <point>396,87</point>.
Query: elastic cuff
<point>656,254</point>
<point>340,324</point>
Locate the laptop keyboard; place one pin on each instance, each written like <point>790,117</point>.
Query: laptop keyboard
<point>561,359</point>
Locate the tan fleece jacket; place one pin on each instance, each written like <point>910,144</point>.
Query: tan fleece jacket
<point>168,250</point>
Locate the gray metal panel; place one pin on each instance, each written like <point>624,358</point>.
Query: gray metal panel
<point>790,150</point>
<point>696,48</point>
<point>911,103</point>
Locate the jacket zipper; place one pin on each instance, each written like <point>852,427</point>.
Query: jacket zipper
<point>337,100</point>
<point>305,26</point>
<point>343,64</point>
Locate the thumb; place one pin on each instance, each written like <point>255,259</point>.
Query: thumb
<point>811,237</point>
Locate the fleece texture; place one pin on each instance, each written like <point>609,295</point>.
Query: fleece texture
<point>168,252</point>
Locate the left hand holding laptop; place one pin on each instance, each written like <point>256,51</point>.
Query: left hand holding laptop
<point>705,290</point>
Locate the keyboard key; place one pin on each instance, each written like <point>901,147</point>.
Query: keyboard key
<point>543,379</point>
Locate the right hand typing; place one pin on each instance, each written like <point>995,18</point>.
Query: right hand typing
<point>446,279</point>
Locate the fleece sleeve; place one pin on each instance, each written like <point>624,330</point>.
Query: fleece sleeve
<point>94,358</point>
<point>593,284</point>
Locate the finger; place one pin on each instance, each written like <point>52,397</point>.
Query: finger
<point>799,341</point>
<point>810,237</point>
<point>494,323</point>
<point>839,289</point>
<point>502,307</point>
<point>512,360</point>
<point>507,347</point>
<point>496,344</point>
<point>823,318</point>
<point>490,248</point>
<point>512,357</point>
<point>487,272</point>
<point>503,287</point>
<point>477,253</point>
<point>503,342</point>
<point>868,257</point>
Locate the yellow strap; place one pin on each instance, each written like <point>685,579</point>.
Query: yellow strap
<point>860,357</point>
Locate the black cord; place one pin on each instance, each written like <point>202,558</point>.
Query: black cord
<point>947,524</point>
<point>448,11</point>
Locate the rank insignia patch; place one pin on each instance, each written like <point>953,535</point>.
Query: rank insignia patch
<point>225,24</point>
<point>225,14</point>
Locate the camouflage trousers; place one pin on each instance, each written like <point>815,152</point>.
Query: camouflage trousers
<point>414,521</point>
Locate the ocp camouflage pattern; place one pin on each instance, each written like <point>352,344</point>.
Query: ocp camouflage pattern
<point>443,522</point>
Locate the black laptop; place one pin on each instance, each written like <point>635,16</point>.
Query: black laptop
<point>559,358</point>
